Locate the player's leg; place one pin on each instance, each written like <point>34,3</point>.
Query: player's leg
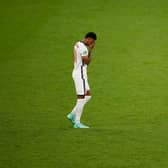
<point>78,97</point>
<point>72,115</point>
<point>85,88</point>
<point>76,113</point>
<point>80,103</point>
<point>85,99</point>
<point>79,107</point>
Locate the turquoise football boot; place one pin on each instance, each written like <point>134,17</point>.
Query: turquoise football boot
<point>71,117</point>
<point>80,125</point>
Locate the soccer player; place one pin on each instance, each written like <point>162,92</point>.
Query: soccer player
<point>82,58</point>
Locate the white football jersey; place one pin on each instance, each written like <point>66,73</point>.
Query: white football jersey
<point>80,69</point>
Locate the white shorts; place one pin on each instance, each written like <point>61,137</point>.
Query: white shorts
<point>81,86</point>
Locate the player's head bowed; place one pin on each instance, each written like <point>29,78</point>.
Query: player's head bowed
<point>90,39</point>
<point>91,35</point>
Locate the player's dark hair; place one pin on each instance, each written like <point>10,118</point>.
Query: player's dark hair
<point>91,35</point>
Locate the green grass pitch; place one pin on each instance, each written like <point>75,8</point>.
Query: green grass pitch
<point>128,113</point>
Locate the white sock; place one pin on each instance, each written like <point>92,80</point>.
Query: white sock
<point>87,98</point>
<point>74,109</point>
<point>79,109</point>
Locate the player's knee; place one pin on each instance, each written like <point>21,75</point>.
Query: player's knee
<point>88,93</point>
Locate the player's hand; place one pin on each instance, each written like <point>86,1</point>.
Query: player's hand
<point>91,46</point>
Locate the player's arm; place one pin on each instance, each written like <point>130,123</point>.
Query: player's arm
<point>86,56</point>
<point>86,59</point>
